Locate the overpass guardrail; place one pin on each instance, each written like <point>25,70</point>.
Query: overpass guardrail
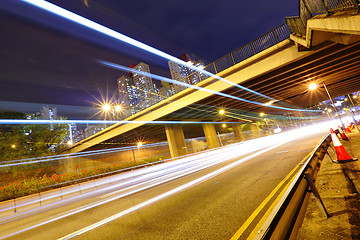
<point>285,220</point>
<point>256,46</point>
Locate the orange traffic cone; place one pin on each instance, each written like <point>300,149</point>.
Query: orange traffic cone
<point>348,129</point>
<point>343,135</point>
<point>342,155</point>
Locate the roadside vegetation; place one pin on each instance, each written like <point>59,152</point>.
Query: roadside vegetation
<point>43,183</point>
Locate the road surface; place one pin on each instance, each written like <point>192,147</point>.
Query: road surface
<point>207,196</point>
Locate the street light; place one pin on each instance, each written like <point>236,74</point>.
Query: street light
<point>312,86</point>
<point>118,108</point>
<point>262,114</point>
<point>221,112</point>
<point>356,126</point>
<point>139,144</point>
<point>106,107</point>
<point>13,146</point>
<point>224,125</point>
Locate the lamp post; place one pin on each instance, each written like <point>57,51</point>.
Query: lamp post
<point>356,126</point>
<point>139,144</point>
<point>333,105</point>
<point>221,113</point>
<point>106,108</point>
<point>70,142</point>
<point>117,109</point>
<point>313,86</point>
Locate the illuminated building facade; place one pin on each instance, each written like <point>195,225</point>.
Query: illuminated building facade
<point>48,113</point>
<point>128,95</point>
<point>183,73</point>
<point>146,95</point>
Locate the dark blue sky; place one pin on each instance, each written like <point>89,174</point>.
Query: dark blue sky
<point>46,59</point>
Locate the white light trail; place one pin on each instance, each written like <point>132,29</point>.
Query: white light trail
<point>177,169</point>
<point>80,154</point>
<point>284,138</point>
<point>205,160</point>
<point>220,155</point>
<point>167,194</point>
<point>38,121</point>
<point>109,32</point>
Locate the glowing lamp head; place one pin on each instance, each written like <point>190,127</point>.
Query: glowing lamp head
<point>312,86</point>
<point>118,108</point>
<point>262,114</point>
<point>106,107</point>
<point>139,144</point>
<point>221,111</point>
<point>224,125</point>
<point>70,142</point>
<point>13,146</point>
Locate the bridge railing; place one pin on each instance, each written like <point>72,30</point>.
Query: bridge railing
<point>309,8</point>
<point>256,46</point>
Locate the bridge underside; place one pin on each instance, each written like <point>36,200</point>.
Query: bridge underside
<point>282,72</point>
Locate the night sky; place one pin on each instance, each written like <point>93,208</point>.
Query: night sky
<point>45,59</point>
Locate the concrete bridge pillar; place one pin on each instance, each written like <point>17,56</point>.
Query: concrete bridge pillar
<point>238,132</point>
<point>255,132</point>
<point>176,140</point>
<point>210,135</point>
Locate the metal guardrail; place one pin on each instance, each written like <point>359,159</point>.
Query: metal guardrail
<point>258,45</point>
<point>285,220</point>
<point>309,8</point>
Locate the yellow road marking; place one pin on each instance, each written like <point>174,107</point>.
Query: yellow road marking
<point>271,208</point>
<point>267,199</point>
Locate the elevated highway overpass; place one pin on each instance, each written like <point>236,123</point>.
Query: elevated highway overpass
<point>321,49</point>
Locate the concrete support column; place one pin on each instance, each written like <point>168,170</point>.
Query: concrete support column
<point>176,140</point>
<point>238,132</point>
<point>210,135</point>
<point>255,132</point>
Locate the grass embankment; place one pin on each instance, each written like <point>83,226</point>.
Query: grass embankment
<point>45,182</point>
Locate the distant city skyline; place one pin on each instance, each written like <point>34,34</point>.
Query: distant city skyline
<point>138,92</point>
<point>73,112</point>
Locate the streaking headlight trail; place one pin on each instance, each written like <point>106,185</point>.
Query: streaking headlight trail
<point>175,169</point>
<point>38,121</point>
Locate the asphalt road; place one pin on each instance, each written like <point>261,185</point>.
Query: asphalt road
<point>209,203</point>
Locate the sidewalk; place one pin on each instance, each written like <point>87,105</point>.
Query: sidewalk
<point>339,188</point>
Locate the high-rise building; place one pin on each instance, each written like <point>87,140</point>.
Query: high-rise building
<point>146,95</point>
<point>165,92</point>
<point>128,95</point>
<point>157,96</point>
<point>183,73</point>
<point>48,113</point>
